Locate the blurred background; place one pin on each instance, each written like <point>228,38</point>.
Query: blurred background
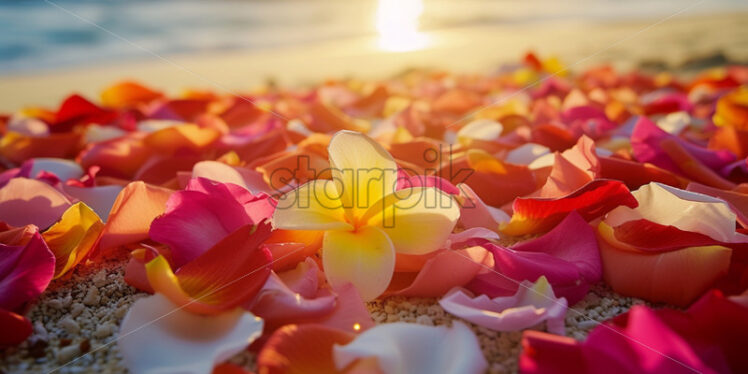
<point>48,47</point>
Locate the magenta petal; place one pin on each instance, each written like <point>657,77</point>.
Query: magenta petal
<point>568,256</point>
<point>25,271</point>
<point>199,217</point>
<point>27,201</point>
<point>647,137</point>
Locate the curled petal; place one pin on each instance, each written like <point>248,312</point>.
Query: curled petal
<point>536,215</point>
<point>220,172</point>
<point>414,349</point>
<point>365,258</point>
<point>695,212</point>
<point>677,277</point>
<point>302,349</point>
<point>418,220</point>
<point>132,213</point>
<point>532,304</point>
<point>571,263</point>
<point>73,237</point>
<point>157,336</point>
<point>28,201</point>
<point>25,271</point>
<point>226,276</point>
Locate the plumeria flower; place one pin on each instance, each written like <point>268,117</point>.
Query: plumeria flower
<point>366,221</point>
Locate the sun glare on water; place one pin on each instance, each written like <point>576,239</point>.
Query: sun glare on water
<point>397,24</point>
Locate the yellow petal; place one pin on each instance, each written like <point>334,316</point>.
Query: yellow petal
<point>418,220</point>
<point>363,169</point>
<point>73,237</point>
<point>313,206</point>
<point>162,279</point>
<point>364,258</point>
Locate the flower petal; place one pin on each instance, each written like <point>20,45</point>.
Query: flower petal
<point>363,171</point>
<point>25,271</point>
<point>28,201</point>
<point>157,337</point>
<point>475,213</point>
<point>695,212</point>
<point>677,277</point>
<point>220,172</point>
<point>536,215</point>
<point>301,349</point>
<point>532,304</point>
<point>73,237</point>
<point>137,205</point>
<point>445,270</point>
<point>226,276</point>
<point>365,258</point>
<point>100,199</point>
<point>16,328</point>
<point>315,205</point>
<point>414,349</point>
<point>571,263</point>
<point>418,220</point>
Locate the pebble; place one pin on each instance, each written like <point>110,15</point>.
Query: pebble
<point>76,309</point>
<point>104,330</point>
<point>69,325</point>
<point>99,279</point>
<point>68,353</point>
<point>92,297</point>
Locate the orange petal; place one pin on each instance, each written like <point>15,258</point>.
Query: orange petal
<point>536,215</point>
<point>18,147</point>
<point>226,276</point>
<point>289,247</point>
<point>132,213</point>
<point>128,94</point>
<point>73,237</point>
<point>172,139</point>
<point>301,349</point>
<point>677,277</point>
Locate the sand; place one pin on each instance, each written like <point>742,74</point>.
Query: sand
<point>81,312</point>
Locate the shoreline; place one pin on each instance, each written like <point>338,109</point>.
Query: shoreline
<point>623,43</point>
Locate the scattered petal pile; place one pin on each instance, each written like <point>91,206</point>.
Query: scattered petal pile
<point>266,221</point>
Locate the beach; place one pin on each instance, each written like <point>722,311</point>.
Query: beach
<point>81,312</point>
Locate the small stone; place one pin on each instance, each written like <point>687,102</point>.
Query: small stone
<point>69,325</point>
<point>99,279</point>
<point>76,309</point>
<point>104,330</point>
<point>40,331</point>
<point>68,353</point>
<point>55,303</point>
<point>92,297</point>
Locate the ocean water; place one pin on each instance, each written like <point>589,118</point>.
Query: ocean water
<point>53,34</point>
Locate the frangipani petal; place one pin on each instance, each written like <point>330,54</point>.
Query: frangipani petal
<point>73,237</point>
<point>28,201</point>
<point>536,215</point>
<point>226,276</point>
<point>532,304</point>
<point>302,349</point>
<point>363,171</point>
<point>365,258</point>
<point>315,205</point>
<point>407,214</point>
<point>405,348</point>
<point>25,271</point>
<point>158,337</point>
<point>132,213</point>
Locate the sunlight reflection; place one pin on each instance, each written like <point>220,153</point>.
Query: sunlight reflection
<point>397,23</point>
